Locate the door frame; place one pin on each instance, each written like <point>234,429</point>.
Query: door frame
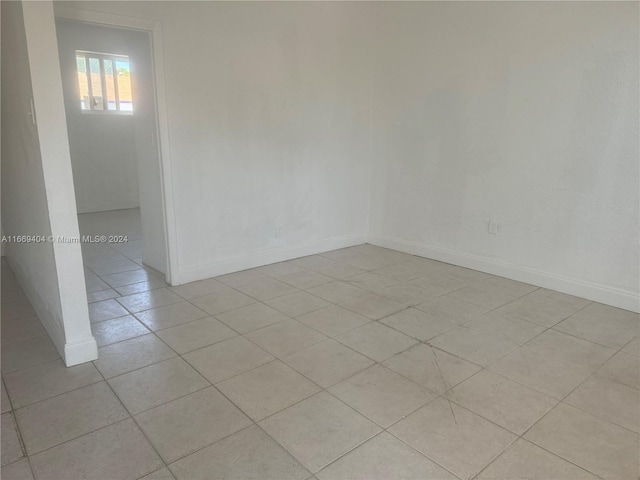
<point>154,29</point>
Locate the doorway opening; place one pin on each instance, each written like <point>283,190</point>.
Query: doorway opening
<point>108,77</point>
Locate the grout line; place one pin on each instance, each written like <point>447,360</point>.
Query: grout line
<point>322,389</point>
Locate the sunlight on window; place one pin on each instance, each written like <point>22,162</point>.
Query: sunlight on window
<point>104,82</point>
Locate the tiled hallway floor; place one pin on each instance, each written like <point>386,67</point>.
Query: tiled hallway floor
<point>361,363</point>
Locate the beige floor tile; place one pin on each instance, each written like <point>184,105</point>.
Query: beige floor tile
<point>384,457</point>
<point>115,267</point>
<point>162,474</point>
<point>455,311</point>
<point>633,347</point>
<point>265,288</point>
<point>105,310</point>
<point>101,295</point>
<point>594,444</point>
<point>313,262</point>
<point>117,451</point>
<point>21,329</point>
<point>151,299</point>
<point>371,282</point>
<point>333,320</point>
<point>382,395</point>
<point>339,271</point>
<point>170,315</point>
<point>280,269</point>
<point>602,324</point>
<point>252,317</point>
<point>248,455</point>
<point>38,383</point>
<point>192,290</point>
<point>196,334</point>
<point>94,283</point>
<point>431,368</point>
<point>556,345</point>
<point>509,404</point>
<point>4,400</point>
<point>513,287</point>
<point>327,362</point>
<point>438,284</point>
<point>28,353</point>
<point>526,460</point>
<point>407,294</point>
<point>502,325</point>
<point>17,309</point>
<point>285,337</point>
<point>476,347</point>
<point>558,298</point>
<point>407,271</point>
<point>157,384</point>
<point>19,470</point>
<point>12,293</point>
<point>372,306</point>
<point>62,418</point>
<point>117,329</point>
<point>622,368</point>
<point>131,354</point>
<point>244,277</point>
<point>319,429</point>
<point>11,449</point>
<point>548,375</point>
<point>127,278</point>
<point>190,423</point>
<point>486,295</point>
<point>418,324</point>
<point>336,292</point>
<point>267,389</point>
<point>376,341</point>
<point>226,359</point>
<point>610,400</point>
<point>151,284</point>
<point>452,436</point>
<point>305,279</point>
<point>542,307</point>
<point>376,261</point>
<point>101,258</point>
<point>296,304</point>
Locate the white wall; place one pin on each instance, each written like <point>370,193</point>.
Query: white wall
<point>37,187</point>
<point>103,148</point>
<point>523,112</point>
<point>520,112</point>
<point>269,110</point>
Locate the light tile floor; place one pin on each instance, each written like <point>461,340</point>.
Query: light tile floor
<point>361,363</point>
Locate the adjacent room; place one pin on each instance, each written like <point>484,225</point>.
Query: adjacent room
<point>320,240</point>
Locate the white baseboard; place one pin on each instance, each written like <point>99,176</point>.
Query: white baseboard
<point>84,350</point>
<point>80,351</point>
<point>598,293</point>
<point>266,257</point>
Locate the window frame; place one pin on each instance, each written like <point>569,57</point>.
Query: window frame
<point>113,57</point>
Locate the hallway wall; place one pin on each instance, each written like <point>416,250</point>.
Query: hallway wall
<point>37,188</point>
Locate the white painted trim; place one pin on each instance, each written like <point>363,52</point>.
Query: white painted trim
<point>155,29</point>
<point>80,351</point>
<point>267,257</point>
<point>598,293</point>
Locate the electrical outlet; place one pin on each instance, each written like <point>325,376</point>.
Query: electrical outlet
<point>278,231</point>
<point>494,227</point>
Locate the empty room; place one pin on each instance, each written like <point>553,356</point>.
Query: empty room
<point>320,240</point>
